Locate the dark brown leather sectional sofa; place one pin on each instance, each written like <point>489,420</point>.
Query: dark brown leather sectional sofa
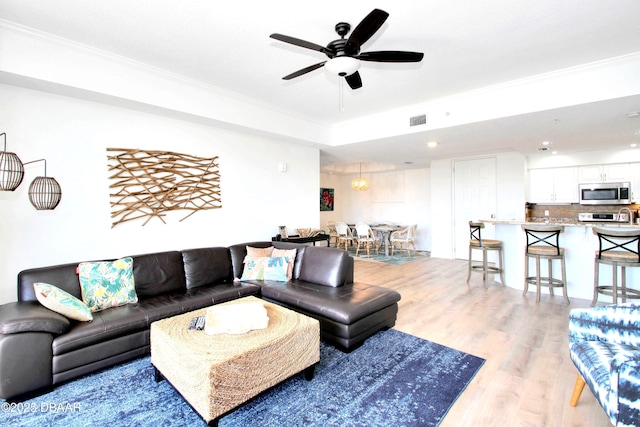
<point>40,348</point>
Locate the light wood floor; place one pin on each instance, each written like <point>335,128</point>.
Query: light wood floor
<point>527,378</point>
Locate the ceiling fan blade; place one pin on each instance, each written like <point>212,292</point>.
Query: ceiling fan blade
<point>301,43</point>
<point>365,29</point>
<point>390,56</point>
<point>354,81</point>
<point>304,71</point>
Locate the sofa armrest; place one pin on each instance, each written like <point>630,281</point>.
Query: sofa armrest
<point>30,316</point>
<point>618,324</point>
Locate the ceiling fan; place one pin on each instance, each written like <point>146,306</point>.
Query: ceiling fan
<point>344,54</point>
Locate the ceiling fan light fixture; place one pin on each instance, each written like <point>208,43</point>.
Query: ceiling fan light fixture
<point>344,54</point>
<point>342,65</point>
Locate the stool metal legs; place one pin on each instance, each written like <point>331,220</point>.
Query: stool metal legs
<point>485,268</point>
<point>538,281</point>
<point>613,290</point>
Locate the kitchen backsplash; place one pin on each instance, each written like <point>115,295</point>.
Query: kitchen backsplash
<point>535,212</point>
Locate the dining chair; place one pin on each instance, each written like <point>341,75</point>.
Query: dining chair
<point>365,238</point>
<point>333,233</point>
<point>344,235</point>
<point>403,238</point>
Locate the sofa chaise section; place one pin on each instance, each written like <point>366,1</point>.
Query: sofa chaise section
<point>322,287</point>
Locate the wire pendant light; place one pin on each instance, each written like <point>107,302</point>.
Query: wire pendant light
<point>11,169</point>
<point>44,192</point>
<point>360,184</point>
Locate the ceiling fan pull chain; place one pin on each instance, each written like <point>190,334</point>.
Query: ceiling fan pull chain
<point>340,94</point>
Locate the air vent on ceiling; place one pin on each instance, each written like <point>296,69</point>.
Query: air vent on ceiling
<point>418,120</point>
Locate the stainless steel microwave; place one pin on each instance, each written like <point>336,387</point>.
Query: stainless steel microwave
<point>605,193</point>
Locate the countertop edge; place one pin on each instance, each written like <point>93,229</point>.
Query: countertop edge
<point>564,223</point>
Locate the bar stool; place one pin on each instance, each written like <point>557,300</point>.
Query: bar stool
<point>617,248</point>
<point>543,242</point>
<point>476,242</point>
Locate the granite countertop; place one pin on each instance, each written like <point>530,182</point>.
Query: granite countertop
<point>570,222</point>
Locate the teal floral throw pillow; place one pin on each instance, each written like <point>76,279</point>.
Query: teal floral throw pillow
<point>265,268</point>
<point>55,299</point>
<point>107,284</point>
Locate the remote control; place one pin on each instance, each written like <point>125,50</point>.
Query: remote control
<point>192,324</point>
<point>200,323</point>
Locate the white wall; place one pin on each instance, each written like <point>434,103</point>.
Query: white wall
<point>335,182</point>
<point>398,196</point>
<point>510,198</point>
<point>442,203</point>
<point>512,186</point>
<point>72,135</point>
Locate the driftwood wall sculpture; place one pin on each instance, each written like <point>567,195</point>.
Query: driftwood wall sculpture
<point>148,184</point>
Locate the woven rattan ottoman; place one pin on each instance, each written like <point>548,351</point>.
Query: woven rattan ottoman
<point>217,373</point>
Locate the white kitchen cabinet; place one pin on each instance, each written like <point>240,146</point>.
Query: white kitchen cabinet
<point>619,172</point>
<point>553,185</point>
<point>634,169</point>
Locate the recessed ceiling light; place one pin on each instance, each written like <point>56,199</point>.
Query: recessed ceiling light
<point>633,114</point>
<point>634,145</point>
<point>432,144</point>
<point>546,143</point>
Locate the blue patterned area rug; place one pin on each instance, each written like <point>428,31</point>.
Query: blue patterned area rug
<point>394,379</point>
<point>398,258</point>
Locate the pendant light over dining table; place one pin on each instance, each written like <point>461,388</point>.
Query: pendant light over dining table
<point>360,183</point>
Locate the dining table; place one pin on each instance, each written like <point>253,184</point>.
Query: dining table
<point>385,231</point>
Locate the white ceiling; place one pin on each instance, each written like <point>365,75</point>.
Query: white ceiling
<point>468,45</point>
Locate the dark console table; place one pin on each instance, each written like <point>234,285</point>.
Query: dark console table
<point>297,239</point>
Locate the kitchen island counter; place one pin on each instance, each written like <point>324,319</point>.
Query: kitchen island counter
<point>565,222</point>
<point>580,246</point>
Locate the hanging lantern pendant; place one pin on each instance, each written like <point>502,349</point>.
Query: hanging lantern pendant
<point>44,192</point>
<point>360,184</point>
<point>11,169</point>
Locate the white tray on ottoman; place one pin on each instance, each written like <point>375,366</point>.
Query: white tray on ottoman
<point>217,373</point>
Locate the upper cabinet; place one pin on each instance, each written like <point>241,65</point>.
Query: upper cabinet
<point>553,185</point>
<point>635,182</point>
<point>605,173</point>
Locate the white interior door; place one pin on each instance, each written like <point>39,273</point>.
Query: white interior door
<point>474,198</point>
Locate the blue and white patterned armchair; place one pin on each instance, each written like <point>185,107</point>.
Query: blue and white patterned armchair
<point>604,344</point>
